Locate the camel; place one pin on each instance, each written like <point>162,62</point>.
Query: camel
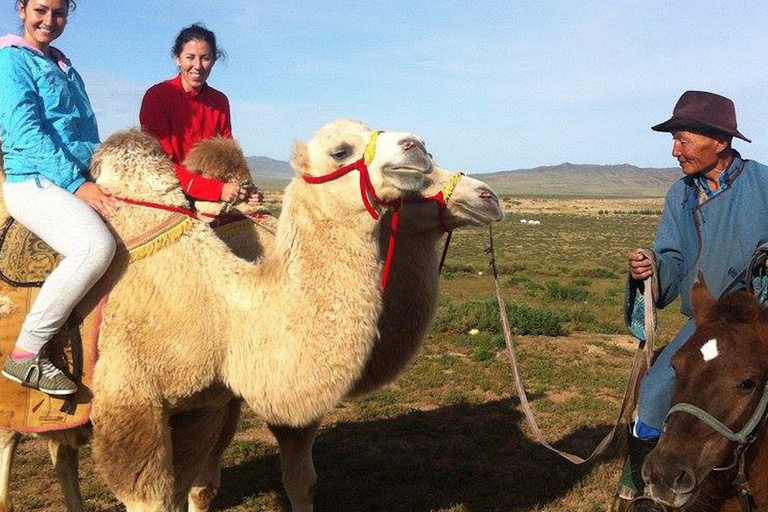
<point>410,302</point>
<point>191,308</point>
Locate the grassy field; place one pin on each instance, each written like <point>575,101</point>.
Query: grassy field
<point>449,435</point>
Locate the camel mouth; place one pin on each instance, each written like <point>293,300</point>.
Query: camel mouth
<point>479,215</point>
<point>406,178</point>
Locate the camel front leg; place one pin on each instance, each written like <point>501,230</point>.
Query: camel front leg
<point>299,476</point>
<point>134,455</point>
<point>207,484</point>
<point>64,459</point>
<point>8,442</point>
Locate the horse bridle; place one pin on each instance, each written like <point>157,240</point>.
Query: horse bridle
<point>744,438</point>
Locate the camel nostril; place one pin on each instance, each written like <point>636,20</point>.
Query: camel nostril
<point>409,143</point>
<point>487,195</point>
<point>685,481</point>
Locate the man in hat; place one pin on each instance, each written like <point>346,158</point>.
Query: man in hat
<point>713,221</point>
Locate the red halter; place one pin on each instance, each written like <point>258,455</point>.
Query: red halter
<point>366,193</point>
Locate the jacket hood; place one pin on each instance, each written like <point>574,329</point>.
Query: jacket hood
<point>20,42</point>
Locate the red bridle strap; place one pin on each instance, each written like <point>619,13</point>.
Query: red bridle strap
<point>366,186</point>
<point>157,206</point>
<point>366,193</point>
<point>442,206</point>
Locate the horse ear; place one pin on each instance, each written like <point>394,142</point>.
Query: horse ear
<point>701,299</point>
<point>300,158</point>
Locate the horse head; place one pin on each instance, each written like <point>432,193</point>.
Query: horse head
<point>722,372</point>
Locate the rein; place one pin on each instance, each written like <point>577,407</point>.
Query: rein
<point>640,364</point>
<point>366,193</point>
<point>744,439</point>
<point>157,206</point>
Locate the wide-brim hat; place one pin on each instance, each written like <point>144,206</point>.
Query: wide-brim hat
<point>699,110</point>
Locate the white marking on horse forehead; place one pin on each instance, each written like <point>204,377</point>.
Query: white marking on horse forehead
<point>709,350</point>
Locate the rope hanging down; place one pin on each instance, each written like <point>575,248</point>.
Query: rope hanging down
<point>641,362</point>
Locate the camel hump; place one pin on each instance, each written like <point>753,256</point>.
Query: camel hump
<point>219,158</point>
<point>127,144</point>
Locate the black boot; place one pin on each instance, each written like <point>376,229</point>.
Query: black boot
<point>632,478</point>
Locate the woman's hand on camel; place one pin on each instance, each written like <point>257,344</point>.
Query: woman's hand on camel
<point>236,193</point>
<point>639,266</point>
<point>232,193</point>
<point>97,199</point>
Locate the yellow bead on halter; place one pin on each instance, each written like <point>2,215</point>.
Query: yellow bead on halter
<point>450,187</point>
<point>370,149</point>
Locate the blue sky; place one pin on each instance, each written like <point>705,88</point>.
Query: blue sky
<point>489,85</point>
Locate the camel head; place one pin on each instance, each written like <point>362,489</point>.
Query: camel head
<point>468,202</point>
<point>132,164</point>
<point>397,162</point>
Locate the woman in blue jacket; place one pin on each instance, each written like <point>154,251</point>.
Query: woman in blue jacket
<point>49,133</point>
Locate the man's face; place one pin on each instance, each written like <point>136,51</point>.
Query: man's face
<point>695,152</point>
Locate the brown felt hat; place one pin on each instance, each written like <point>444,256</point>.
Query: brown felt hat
<point>699,110</point>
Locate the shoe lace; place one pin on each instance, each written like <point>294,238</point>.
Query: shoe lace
<point>48,369</point>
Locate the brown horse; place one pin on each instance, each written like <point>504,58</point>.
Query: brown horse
<point>716,425</point>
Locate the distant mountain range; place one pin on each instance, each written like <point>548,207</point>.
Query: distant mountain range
<point>265,167</point>
<point>569,179</point>
<point>566,179</point>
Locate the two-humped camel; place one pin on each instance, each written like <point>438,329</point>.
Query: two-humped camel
<point>193,324</point>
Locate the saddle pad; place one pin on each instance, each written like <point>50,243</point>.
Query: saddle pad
<point>27,410</point>
<point>25,260</point>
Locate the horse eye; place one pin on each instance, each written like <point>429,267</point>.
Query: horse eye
<point>747,385</point>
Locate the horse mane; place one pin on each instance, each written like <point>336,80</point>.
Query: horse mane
<point>735,308</point>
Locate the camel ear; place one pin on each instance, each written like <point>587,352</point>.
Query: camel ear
<point>300,158</point>
<point>701,299</point>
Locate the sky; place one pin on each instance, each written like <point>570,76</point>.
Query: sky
<point>490,85</point>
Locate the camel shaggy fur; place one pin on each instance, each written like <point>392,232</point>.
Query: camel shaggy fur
<point>192,325</point>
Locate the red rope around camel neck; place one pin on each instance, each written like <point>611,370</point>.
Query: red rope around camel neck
<point>366,190</point>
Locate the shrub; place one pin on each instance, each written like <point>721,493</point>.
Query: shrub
<point>558,291</point>
<point>484,316</point>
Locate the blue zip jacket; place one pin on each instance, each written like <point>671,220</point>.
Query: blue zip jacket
<point>47,126</point>
<point>717,237</point>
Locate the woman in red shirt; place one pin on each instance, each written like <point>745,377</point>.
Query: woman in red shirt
<point>184,110</point>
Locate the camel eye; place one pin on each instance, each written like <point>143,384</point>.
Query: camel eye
<point>340,154</point>
<point>748,385</point>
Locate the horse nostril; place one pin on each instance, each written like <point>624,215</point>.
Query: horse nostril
<point>685,481</point>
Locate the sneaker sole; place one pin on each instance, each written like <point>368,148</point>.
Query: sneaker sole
<point>54,392</point>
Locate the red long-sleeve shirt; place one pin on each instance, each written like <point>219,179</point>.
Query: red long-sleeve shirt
<point>179,119</point>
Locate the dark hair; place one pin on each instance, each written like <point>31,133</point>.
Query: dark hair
<point>196,32</point>
<point>71,5</point>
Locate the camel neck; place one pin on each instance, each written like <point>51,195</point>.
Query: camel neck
<point>320,312</point>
